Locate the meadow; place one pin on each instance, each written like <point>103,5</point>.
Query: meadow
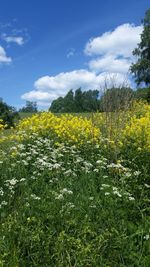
<point>74,190</point>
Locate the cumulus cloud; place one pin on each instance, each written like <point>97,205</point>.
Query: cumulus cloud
<point>121,41</point>
<point>67,80</point>
<point>114,49</point>
<point>109,63</point>
<point>48,88</point>
<point>39,96</point>
<point>3,57</point>
<point>13,39</point>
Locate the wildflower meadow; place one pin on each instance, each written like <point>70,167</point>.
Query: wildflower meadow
<point>74,190</point>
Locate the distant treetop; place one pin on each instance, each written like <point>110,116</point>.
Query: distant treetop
<point>29,107</point>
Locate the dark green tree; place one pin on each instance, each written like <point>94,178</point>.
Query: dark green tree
<point>141,69</point>
<point>78,100</point>
<point>143,94</point>
<point>57,105</point>
<point>8,114</point>
<point>69,102</point>
<point>90,100</point>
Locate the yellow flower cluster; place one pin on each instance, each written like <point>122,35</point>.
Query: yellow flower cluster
<point>113,129</point>
<point>130,127</point>
<point>140,109</point>
<point>65,127</point>
<point>2,125</point>
<point>137,133</point>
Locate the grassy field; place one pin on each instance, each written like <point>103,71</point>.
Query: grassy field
<point>74,190</point>
<point>23,115</point>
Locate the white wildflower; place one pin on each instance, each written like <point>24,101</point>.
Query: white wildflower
<point>131,198</point>
<point>22,179</point>
<point>137,173</point>
<point>105,185</point>
<point>117,193</point>
<point>35,197</point>
<point>4,203</point>
<point>66,191</point>
<point>87,164</point>
<point>1,191</point>
<point>99,161</point>
<point>56,166</point>
<point>12,181</point>
<point>107,193</point>
<point>60,197</point>
<point>95,170</point>
<point>68,172</point>
<point>92,206</point>
<point>128,174</point>
<point>146,237</point>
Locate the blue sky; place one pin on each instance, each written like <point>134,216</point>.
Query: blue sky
<point>50,46</point>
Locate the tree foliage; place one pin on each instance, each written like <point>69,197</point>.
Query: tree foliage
<point>77,101</point>
<point>141,69</point>
<point>8,114</point>
<point>90,101</point>
<point>143,94</point>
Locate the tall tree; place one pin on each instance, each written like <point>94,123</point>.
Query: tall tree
<point>78,98</point>
<point>141,69</point>
<point>69,102</point>
<point>90,100</point>
<point>57,105</point>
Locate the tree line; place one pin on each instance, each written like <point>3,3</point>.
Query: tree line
<point>90,101</point>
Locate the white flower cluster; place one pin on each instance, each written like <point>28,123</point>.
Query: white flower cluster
<point>44,158</point>
<point>113,190</point>
<point>62,193</point>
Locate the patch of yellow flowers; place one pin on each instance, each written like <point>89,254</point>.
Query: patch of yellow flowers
<point>2,125</point>
<point>137,133</point>
<point>129,128</point>
<point>66,127</point>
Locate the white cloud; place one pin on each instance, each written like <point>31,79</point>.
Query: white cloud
<point>13,39</point>
<point>114,49</point>
<point>109,63</point>
<point>48,88</point>
<point>36,95</point>
<point>121,41</point>
<point>65,81</point>
<point>3,57</point>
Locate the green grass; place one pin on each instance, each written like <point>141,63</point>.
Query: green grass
<point>63,206</point>
<point>25,114</point>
